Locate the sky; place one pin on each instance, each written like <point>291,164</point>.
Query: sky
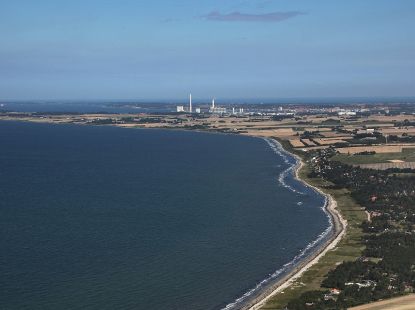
<point>159,49</point>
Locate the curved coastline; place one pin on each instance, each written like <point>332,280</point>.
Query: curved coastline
<point>257,297</point>
<point>284,277</point>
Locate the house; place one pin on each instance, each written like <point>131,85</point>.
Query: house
<point>335,291</point>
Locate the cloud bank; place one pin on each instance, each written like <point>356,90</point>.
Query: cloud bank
<point>274,17</point>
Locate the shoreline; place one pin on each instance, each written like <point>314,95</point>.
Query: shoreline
<point>337,222</point>
<point>339,225</point>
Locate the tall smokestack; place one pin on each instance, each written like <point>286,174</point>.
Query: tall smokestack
<point>190,103</point>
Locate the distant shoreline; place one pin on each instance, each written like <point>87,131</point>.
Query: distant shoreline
<point>339,225</point>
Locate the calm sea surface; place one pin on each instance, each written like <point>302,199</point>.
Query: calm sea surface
<point>111,218</point>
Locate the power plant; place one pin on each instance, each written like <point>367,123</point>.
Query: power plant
<point>212,109</point>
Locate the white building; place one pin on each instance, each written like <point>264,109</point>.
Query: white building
<point>218,110</point>
<point>346,113</point>
<point>215,109</point>
<point>181,108</point>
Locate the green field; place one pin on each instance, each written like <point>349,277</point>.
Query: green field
<point>348,249</point>
<point>407,155</point>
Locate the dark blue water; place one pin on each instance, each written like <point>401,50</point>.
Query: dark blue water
<point>111,218</point>
<point>84,107</point>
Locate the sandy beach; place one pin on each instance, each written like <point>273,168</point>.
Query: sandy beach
<point>339,226</point>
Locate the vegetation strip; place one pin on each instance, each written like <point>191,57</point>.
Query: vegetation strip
<point>384,267</point>
<point>339,225</point>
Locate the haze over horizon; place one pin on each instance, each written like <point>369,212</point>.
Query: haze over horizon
<point>229,49</point>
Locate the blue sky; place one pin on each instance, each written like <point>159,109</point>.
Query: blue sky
<point>100,49</point>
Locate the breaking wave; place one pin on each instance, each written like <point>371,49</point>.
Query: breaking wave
<point>278,149</point>
<point>308,250</point>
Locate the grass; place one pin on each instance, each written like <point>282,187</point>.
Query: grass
<point>348,249</point>
<point>407,155</point>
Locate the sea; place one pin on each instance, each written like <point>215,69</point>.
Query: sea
<point>100,217</point>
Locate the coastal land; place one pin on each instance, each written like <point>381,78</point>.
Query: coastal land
<point>338,228</point>
<point>323,142</point>
<point>343,245</point>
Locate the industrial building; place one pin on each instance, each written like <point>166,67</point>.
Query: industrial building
<point>213,109</point>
